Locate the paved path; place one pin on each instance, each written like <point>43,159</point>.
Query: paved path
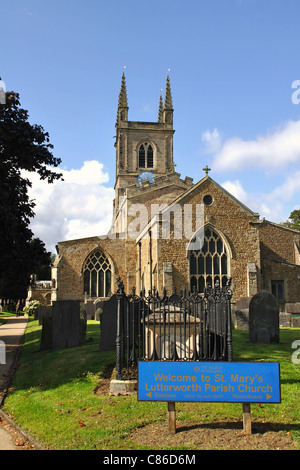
<point>11,337</point>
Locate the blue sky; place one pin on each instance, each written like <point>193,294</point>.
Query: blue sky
<point>232,64</point>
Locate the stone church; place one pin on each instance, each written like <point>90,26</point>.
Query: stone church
<point>171,232</point>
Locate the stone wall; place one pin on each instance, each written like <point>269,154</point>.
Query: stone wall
<point>277,243</point>
<point>290,274</point>
<point>67,270</point>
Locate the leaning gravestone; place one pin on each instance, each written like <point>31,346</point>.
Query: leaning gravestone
<point>264,318</point>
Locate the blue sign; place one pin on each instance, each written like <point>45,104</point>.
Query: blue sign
<point>241,382</point>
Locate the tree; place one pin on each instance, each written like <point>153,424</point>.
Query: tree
<point>293,220</point>
<point>23,146</point>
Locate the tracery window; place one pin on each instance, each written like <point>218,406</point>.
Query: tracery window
<point>209,263</point>
<point>97,275</point>
<point>146,156</point>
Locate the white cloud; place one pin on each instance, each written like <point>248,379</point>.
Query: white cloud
<point>78,207</point>
<point>274,150</point>
<point>266,205</point>
<point>235,188</point>
<point>212,140</point>
<point>271,205</point>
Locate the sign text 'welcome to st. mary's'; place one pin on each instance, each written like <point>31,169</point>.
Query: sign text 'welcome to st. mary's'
<point>209,381</point>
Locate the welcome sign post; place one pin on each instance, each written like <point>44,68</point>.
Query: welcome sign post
<point>227,382</point>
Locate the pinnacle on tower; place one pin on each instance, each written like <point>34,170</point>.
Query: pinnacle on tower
<point>168,96</point>
<point>122,104</point>
<point>168,108</point>
<point>123,94</point>
<point>161,109</point>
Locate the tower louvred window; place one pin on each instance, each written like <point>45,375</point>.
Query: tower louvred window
<point>142,157</point>
<point>146,159</point>
<point>150,157</point>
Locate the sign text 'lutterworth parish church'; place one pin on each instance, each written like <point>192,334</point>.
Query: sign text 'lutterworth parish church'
<point>170,232</point>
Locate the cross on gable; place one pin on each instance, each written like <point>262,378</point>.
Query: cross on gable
<point>206,169</point>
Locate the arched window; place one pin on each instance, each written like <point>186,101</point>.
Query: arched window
<point>142,157</point>
<point>209,263</point>
<point>149,157</point>
<point>146,156</point>
<point>97,275</point>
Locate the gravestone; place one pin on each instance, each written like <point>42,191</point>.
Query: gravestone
<point>42,312</point>
<point>242,313</point>
<point>63,325</point>
<point>130,319</point>
<point>90,310</point>
<point>44,315</point>
<point>66,324</point>
<point>109,324</point>
<point>296,322</point>
<point>99,309</point>
<point>292,307</point>
<point>264,318</point>
<point>285,320</point>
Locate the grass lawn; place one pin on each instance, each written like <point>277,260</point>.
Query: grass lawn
<point>5,314</point>
<point>53,397</point>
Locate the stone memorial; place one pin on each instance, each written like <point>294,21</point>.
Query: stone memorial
<point>90,309</point>
<point>241,313</point>
<point>66,324</point>
<point>264,318</point>
<point>296,322</point>
<point>42,312</point>
<point>63,325</point>
<point>109,324</point>
<point>44,316</point>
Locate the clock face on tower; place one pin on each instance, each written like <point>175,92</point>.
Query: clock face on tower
<point>145,175</point>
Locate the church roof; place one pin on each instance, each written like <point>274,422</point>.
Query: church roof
<point>201,183</point>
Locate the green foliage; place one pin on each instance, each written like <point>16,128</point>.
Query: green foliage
<point>30,309</point>
<point>293,220</point>
<point>23,146</point>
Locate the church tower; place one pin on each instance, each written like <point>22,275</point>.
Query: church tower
<point>143,149</point>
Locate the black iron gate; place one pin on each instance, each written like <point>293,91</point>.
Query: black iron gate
<point>185,327</point>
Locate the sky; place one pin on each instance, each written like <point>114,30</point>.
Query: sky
<point>234,69</point>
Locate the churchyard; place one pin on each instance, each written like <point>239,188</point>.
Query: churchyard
<point>61,398</point>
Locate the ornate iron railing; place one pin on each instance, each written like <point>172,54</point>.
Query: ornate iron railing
<point>185,327</point>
